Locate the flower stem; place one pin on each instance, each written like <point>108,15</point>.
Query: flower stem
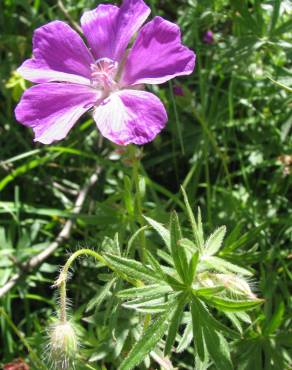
<point>136,167</point>
<point>63,277</point>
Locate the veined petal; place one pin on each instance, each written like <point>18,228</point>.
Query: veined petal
<point>157,55</point>
<point>109,29</point>
<point>130,116</point>
<point>59,54</point>
<point>51,109</point>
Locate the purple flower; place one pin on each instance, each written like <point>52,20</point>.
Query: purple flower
<point>178,90</point>
<point>71,78</point>
<point>208,37</point>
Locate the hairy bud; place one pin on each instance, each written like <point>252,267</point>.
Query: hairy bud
<point>233,283</point>
<point>63,345</point>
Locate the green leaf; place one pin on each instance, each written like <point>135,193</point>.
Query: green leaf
<point>178,253</point>
<point>218,348</point>
<point>235,321</point>
<point>144,291</point>
<point>275,15</point>
<point>165,257</point>
<point>226,304</point>
<point>186,338</point>
<point>175,322</point>
<point>150,304</point>
<point>198,334</point>
<point>133,239</point>
<point>192,268</point>
<point>219,264</point>
<point>131,268</point>
<point>30,165</point>
<point>154,263</point>
<point>210,320</point>
<point>244,239</point>
<point>147,342</point>
<point>100,296</point>
<point>188,245</point>
<point>208,291</point>
<point>154,309</point>
<point>196,232</point>
<point>161,230</point>
<point>214,241</point>
<point>276,320</point>
<point>200,227</point>
<point>175,284</point>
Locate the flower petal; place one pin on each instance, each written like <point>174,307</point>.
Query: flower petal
<point>130,116</point>
<point>51,109</point>
<point>59,54</point>
<point>157,55</point>
<point>109,29</point>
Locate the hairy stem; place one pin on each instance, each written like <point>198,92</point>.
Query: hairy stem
<point>63,277</point>
<point>62,280</point>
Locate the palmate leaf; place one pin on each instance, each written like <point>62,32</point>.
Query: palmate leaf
<point>131,268</point>
<point>161,230</point>
<point>133,239</point>
<point>208,291</point>
<point>221,265</point>
<point>152,304</point>
<point>177,252</point>
<point>154,263</point>
<point>154,290</point>
<point>198,335</point>
<point>276,320</point>
<point>232,305</point>
<point>186,338</point>
<point>175,322</point>
<point>174,283</point>
<point>149,309</point>
<point>101,295</point>
<point>218,348</point>
<point>148,341</point>
<point>196,228</point>
<point>214,242</point>
<point>192,268</point>
<point>206,337</point>
<point>211,321</point>
<point>188,245</point>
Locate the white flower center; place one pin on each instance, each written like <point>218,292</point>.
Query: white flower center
<point>103,72</point>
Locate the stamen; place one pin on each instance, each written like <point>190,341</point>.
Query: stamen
<point>103,72</point>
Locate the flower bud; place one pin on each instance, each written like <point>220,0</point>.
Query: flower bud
<point>208,37</point>
<point>233,283</point>
<point>63,345</point>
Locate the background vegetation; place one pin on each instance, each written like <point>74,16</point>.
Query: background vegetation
<point>228,142</point>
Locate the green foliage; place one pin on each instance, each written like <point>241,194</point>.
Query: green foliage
<point>183,284</point>
<point>228,142</point>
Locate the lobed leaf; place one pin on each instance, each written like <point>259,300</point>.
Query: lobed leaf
<point>131,268</point>
<point>144,291</point>
<point>175,322</point>
<point>214,242</point>
<point>147,342</point>
<point>218,348</point>
<point>178,253</point>
<point>197,231</point>
<point>226,304</point>
<point>161,230</point>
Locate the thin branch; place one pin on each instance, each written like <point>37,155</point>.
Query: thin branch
<point>61,6</point>
<point>63,235</point>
